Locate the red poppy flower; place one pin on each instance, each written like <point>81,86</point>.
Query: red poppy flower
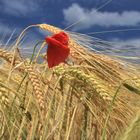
<point>58,49</point>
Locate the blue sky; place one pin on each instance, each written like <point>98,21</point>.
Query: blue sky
<point>118,14</point>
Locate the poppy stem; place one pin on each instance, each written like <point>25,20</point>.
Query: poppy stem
<point>41,47</point>
<point>31,59</point>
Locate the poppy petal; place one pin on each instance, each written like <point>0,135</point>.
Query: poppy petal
<point>61,37</point>
<point>57,51</point>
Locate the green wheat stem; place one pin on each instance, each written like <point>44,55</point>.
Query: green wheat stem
<point>31,59</point>
<point>103,137</point>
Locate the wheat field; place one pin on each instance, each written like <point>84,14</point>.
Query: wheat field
<point>94,98</point>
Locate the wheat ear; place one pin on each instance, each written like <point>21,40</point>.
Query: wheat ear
<point>89,80</point>
<point>36,85</point>
<point>3,96</point>
<point>8,56</point>
<point>32,76</point>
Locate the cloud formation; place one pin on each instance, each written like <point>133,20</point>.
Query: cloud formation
<point>19,7</point>
<point>129,42</point>
<point>92,17</point>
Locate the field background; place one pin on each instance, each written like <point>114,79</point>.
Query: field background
<point>94,96</point>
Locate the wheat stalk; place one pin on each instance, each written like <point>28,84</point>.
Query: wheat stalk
<point>132,131</point>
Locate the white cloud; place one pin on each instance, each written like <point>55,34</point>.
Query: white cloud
<point>19,7</point>
<point>129,47</point>
<point>130,42</point>
<point>93,17</point>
